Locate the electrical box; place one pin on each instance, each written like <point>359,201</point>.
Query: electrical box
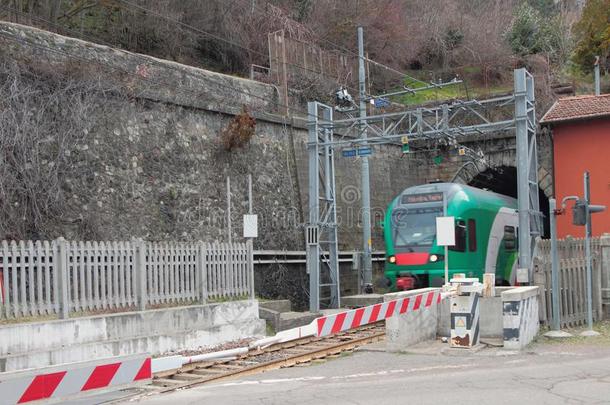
<point>464,312</point>
<point>250,226</point>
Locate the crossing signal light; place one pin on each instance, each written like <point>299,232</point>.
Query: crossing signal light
<point>579,211</point>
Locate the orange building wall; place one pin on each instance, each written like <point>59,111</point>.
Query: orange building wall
<point>581,146</point>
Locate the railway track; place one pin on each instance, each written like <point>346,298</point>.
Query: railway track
<point>280,355</point>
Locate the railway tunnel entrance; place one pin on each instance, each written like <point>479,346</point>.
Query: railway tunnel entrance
<point>503,180</point>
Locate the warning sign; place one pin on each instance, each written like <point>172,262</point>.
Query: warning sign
<point>460,323</point>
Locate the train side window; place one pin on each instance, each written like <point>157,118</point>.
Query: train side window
<point>460,237</point>
<point>472,235</point>
<point>510,238</point>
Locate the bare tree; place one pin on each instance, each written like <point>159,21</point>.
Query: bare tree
<point>44,119</point>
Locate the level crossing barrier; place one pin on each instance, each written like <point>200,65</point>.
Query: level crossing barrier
<point>319,327</point>
<point>76,379</point>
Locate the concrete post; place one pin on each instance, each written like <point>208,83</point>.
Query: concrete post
<point>61,263</point>
<point>202,273</point>
<point>367,263</point>
<point>604,259</point>
<point>556,324</point>
<point>251,266</point>
<point>597,79</point>
<point>140,269</point>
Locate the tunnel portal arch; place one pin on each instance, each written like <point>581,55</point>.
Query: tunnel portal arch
<point>502,179</point>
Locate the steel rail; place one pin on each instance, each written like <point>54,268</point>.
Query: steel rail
<point>286,354</point>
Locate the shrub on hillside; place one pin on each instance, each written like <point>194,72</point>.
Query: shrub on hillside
<point>239,131</point>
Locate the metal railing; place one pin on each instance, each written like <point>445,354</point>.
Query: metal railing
<point>66,277</point>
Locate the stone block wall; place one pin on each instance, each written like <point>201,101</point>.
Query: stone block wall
<point>152,165</point>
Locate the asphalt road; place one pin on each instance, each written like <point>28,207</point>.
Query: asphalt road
<point>550,374</point>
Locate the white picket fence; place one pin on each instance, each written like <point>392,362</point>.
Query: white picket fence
<point>62,277</point>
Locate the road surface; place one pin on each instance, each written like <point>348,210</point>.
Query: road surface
<point>547,374</point>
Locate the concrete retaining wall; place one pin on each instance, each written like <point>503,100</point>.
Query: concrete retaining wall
<point>157,331</point>
<point>520,316</point>
<point>410,328</point>
<point>512,314</point>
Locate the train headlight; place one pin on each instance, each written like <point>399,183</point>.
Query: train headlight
<point>433,258</point>
<point>392,259</point>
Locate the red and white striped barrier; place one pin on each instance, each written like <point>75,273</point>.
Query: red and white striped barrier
<point>67,380</point>
<point>355,318</point>
<point>323,326</point>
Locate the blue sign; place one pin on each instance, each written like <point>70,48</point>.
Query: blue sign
<point>381,102</point>
<point>366,151</point>
<point>348,152</point>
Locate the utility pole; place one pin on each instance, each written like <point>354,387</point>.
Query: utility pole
<point>229,231</point>
<point>367,267</point>
<point>589,331</point>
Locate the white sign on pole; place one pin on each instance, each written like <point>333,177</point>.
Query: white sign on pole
<point>250,226</point>
<point>445,231</point>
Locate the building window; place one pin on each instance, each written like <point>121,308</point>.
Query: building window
<point>472,235</point>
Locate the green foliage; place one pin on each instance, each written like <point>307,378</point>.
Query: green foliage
<point>457,91</point>
<point>454,38</point>
<point>546,7</point>
<point>524,35</point>
<point>533,33</point>
<point>593,34</point>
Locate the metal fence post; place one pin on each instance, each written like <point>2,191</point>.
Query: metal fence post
<point>202,273</point>
<point>604,265</point>
<point>140,268</point>
<point>61,263</point>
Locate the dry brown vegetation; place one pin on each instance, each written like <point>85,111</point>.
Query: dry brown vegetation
<point>229,36</point>
<point>239,131</point>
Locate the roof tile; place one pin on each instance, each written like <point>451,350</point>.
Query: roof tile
<point>577,108</point>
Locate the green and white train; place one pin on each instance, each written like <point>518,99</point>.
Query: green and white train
<point>486,231</point>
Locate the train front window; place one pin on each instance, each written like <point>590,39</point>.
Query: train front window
<point>415,226</point>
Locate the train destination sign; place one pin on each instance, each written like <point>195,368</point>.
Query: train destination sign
<point>422,198</point>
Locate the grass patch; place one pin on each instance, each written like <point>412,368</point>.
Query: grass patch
<point>603,339</point>
<point>269,329</point>
<point>451,92</point>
